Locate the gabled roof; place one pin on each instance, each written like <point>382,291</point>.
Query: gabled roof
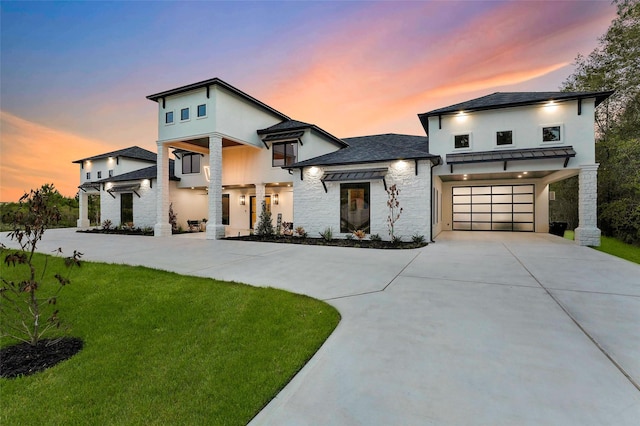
<point>289,125</point>
<point>216,82</point>
<point>134,152</point>
<point>376,148</point>
<point>146,173</point>
<point>513,99</point>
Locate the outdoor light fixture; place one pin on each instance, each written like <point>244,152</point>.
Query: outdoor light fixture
<point>276,199</point>
<point>242,200</point>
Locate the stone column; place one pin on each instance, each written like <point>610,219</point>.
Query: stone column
<point>260,192</point>
<point>215,228</point>
<point>587,232</point>
<point>162,227</point>
<point>83,205</point>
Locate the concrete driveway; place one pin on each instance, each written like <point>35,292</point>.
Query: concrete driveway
<point>476,329</point>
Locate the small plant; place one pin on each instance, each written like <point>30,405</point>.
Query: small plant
<point>27,313</point>
<point>396,239</point>
<point>327,234</point>
<point>205,220</point>
<point>349,237</point>
<point>359,234</point>
<point>394,209</point>
<point>301,232</point>
<point>375,237</point>
<point>106,225</point>
<point>265,227</point>
<point>173,219</point>
<point>418,239</point>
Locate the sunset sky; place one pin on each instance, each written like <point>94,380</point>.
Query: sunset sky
<point>74,76</point>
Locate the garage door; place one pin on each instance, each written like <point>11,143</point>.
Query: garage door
<point>493,208</point>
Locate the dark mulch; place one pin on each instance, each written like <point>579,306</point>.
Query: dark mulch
<point>23,359</point>
<point>342,242</point>
<point>147,233</point>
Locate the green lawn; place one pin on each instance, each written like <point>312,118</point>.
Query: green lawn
<point>162,348</point>
<point>614,247</point>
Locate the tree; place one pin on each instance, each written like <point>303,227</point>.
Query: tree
<point>394,211</point>
<point>615,65</point>
<point>264,227</point>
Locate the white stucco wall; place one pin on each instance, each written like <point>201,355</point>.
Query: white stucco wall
<point>119,167</point>
<point>316,210</point>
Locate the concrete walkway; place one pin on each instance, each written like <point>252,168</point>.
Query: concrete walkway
<point>476,329</point>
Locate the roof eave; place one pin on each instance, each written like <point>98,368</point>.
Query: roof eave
<point>435,159</point>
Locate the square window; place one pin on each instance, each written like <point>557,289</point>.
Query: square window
<point>354,207</point>
<point>88,175</point>
<point>551,134</point>
<point>184,114</point>
<point>461,141</point>
<point>504,138</point>
<point>284,154</point>
<point>99,175</point>
<point>202,110</point>
<point>190,163</point>
<point>168,117</point>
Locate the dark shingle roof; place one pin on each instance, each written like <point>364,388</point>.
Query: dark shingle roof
<point>513,99</point>
<point>216,82</point>
<point>146,173</point>
<point>289,125</point>
<point>377,148</point>
<point>132,152</point>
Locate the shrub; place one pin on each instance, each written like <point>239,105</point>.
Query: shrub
<point>327,234</point>
<point>396,239</point>
<point>106,225</point>
<point>349,237</point>
<point>28,314</point>
<point>419,239</point>
<point>375,237</point>
<point>359,234</point>
<point>264,227</point>
<point>301,232</point>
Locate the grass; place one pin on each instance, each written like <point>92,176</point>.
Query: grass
<point>162,348</point>
<point>614,247</point>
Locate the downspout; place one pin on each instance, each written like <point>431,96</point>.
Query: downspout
<point>432,212</point>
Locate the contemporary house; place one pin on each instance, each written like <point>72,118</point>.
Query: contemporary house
<point>485,164</point>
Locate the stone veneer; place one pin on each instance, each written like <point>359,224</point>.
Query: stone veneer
<point>587,232</point>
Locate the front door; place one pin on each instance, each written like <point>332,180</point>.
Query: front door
<point>254,208</point>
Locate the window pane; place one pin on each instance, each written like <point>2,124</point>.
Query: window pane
<point>481,199</point>
<point>202,110</point>
<point>190,163</point>
<point>481,190</point>
<point>523,189</point>
<point>502,189</point>
<point>502,208</point>
<point>482,208</point>
<point>504,138</point>
<point>462,226</point>
<point>479,226</point>
<point>168,117</point>
<point>461,141</point>
<point>225,209</point>
<point>523,198</point>
<point>551,134</point>
<point>461,199</point>
<point>284,154</point>
<point>354,207</point>
<point>502,198</point>
<point>126,208</point>
<point>461,217</point>
<point>184,114</point>
<point>462,208</point>
<point>461,190</point>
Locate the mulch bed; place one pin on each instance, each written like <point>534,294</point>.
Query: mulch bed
<point>23,359</point>
<point>342,242</point>
<point>116,231</point>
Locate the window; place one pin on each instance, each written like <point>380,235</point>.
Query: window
<point>126,208</point>
<point>88,175</point>
<point>461,141</point>
<point>284,154</point>
<point>551,134</point>
<point>168,117</point>
<point>225,209</point>
<point>184,114</point>
<point>190,163</point>
<point>504,138</point>
<point>354,207</point>
<point>202,110</point>
<point>110,173</point>
<point>99,175</point>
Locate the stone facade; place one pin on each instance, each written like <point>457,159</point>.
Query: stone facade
<point>587,233</point>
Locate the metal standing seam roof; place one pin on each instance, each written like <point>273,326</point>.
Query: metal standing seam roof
<point>132,152</point>
<point>348,175</point>
<point>283,136</point>
<point>511,155</point>
<point>124,188</point>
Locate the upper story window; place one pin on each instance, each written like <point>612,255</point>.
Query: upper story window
<point>284,154</point>
<point>88,175</point>
<point>552,133</point>
<point>462,141</point>
<point>504,138</point>
<point>110,173</point>
<point>202,110</point>
<point>184,114</point>
<point>99,175</point>
<point>190,163</point>
<point>168,117</point>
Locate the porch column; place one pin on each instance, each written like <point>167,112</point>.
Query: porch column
<point>162,227</point>
<point>83,206</point>
<point>587,232</point>
<point>260,192</point>
<point>215,228</point>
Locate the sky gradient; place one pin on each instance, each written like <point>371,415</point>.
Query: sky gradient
<point>74,75</point>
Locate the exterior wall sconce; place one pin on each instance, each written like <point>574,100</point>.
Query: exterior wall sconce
<point>242,202</point>
<point>276,199</point>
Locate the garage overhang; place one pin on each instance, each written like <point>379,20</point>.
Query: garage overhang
<point>352,175</point>
<point>511,155</point>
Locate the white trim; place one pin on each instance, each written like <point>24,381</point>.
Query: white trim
<point>513,139</point>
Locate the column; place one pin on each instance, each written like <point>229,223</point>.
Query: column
<point>260,192</point>
<point>162,227</point>
<point>587,232</point>
<point>215,228</point>
<point>83,205</point>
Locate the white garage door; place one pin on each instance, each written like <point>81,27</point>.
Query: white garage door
<point>493,208</point>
